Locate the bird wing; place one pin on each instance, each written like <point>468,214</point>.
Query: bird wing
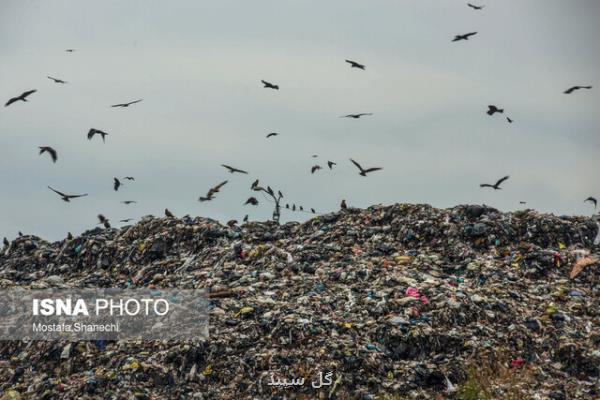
<point>135,101</point>
<point>50,151</point>
<point>27,93</point>
<point>470,34</point>
<point>357,164</point>
<point>57,192</point>
<point>118,105</point>
<point>485,185</point>
<point>571,89</point>
<point>501,180</point>
<point>220,185</point>
<point>9,102</point>
<point>74,196</point>
<point>372,169</point>
<point>91,133</point>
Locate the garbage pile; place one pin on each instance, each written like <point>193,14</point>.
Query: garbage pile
<point>392,302</point>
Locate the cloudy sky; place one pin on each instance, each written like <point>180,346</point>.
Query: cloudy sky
<point>198,64</point>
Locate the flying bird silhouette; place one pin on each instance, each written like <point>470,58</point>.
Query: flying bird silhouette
<point>22,97</point>
<point>312,210</point>
<point>232,169</point>
<point>70,50</point>
<point>246,218</point>
<point>522,202</point>
<point>67,197</point>
<point>355,116</point>
<point>269,85</point>
<point>126,220</point>
<point>330,164</point>
<point>252,200</point>
<point>129,178</point>
<point>116,184</point>
<point>315,168</point>
<point>574,88</point>
<point>56,80</point>
<point>592,200</point>
<point>211,192</point>
<point>463,37</point>
<point>128,202</point>
<point>510,121</point>
<point>49,150</point>
<point>495,186</point>
<point>168,213</point>
<point>272,134</point>
<point>475,7</point>
<point>104,221</point>
<point>364,172</point>
<point>94,131</point>
<point>354,64</point>
<point>126,104</point>
<point>493,109</point>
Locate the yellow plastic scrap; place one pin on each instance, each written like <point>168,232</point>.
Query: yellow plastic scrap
<point>208,370</point>
<point>550,310</point>
<point>244,311</point>
<point>11,394</point>
<point>142,247</point>
<point>134,366</point>
<point>347,325</point>
<point>562,246</point>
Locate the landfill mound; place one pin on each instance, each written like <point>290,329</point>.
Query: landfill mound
<point>399,302</point>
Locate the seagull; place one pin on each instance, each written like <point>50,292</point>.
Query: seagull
<point>116,184</point>
<point>127,202</point>
<point>94,131</point>
<point>354,64</point>
<point>212,191</point>
<point>252,200</point>
<point>495,186</point>
<point>49,150</point>
<point>463,37</point>
<point>364,172</point>
<point>232,169</point>
<point>330,164</point>
<point>56,80</point>
<point>67,197</point>
<point>592,200</point>
<point>127,104</point>
<point>126,220</point>
<point>129,178</point>
<point>343,205</point>
<point>269,85</point>
<point>272,134</point>
<point>355,116</point>
<point>22,97</point>
<point>168,213</point>
<point>104,221</point>
<point>493,109</point>
<point>315,168</point>
<point>574,88</point>
<point>475,7</point>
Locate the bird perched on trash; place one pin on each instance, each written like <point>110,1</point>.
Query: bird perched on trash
<point>293,207</point>
<point>252,200</point>
<point>128,202</point>
<point>474,7</point>
<point>116,184</point>
<point>22,97</point>
<point>94,131</point>
<point>129,178</point>
<point>245,218</point>
<point>313,210</point>
<point>67,197</point>
<point>49,150</point>
<point>493,109</point>
<point>56,80</point>
<point>592,200</point>
<point>232,169</point>
<point>168,213</point>
<point>364,172</point>
<point>272,134</point>
<point>574,88</point>
<point>355,116</point>
<point>330,164</point>
<point>69,236</point>
<point>495,186</point>
<point>354,64</point>
<point>211,192</point>
<point>463,37</point>
<point>269,85</point>
<point>315,168</point>
<point>301,208</point>
<point>104,221</point>
<point>6,242</point>
<point>126,104</point>
<point>343,205</point>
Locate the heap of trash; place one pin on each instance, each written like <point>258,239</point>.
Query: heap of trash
<point>390,302</point>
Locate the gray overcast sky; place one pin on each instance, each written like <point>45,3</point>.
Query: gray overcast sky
<point>198,65</point>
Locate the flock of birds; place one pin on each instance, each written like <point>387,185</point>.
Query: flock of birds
<point>210,194</point>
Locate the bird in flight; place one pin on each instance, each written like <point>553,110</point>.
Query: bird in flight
<point>211,192</point>
<point>330,164</point>
<point>94,131</point>
<point>495,186</point>
<point>574,88</point>
<point>463,37</point>
<point>315,168</point>
<point>312,210</point>
<point>232,169</point>
<point>245,218</point>
<point>168,213</point>
<point>22,97</point>
<point>128,202</point>
<point>129,178</point>
<point>126,220</point>
<point>355,116</point>
<point>269,85</point>
<point>252,200</point>
<point>67,197</point>
<point>364,172</point>
<point>116,184</point>
<point>126,104</point>
<point>49,150</point>
<point>510,121</point>
<point>56,80</point>
<point>104,221</point>
<point>522,202</point>
<point>354,64</point>
<point>493,110</point>
<point>474,7</point>
<point>70,50</point>
<point>592,200</point>
<point>272,134</point>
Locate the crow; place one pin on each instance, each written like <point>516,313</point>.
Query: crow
<point>592,200</point>
<point>127,202</point>
<point>270,191</point>
<point>574,88</point>
<point>475,7</point>
<point>94,131</point>
<point>168,213</point>
<point>6,242</point>
<point>364,172</point>
<point>129,178</point>
<point>56,80</point>
<point>495,186</point>
<point>269,85</point>
<point>355,116</point>
<point>211,192</point>
<point>116,184</point>
<point>232,169</point>
<point>354,64</point>
<point>104,221</point>
<point>22,97</point>
<point>330,164</point>
<point>67,197</point>
<point>313,211</point>
<point>246,218</point>
<point>463,37</point>
<point>315,168</point>
<point>493,109</point>
<point>280,194</point>
<point>252,200</point>
<point>69,236</point>
<point>254,185</point>
<point>287,206</point>
<point>343,205</point>
<point>301,208</point>
<point>272,134</point>
<point>293,207</point>
<point>49,150</point>
<point>126,104</point>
